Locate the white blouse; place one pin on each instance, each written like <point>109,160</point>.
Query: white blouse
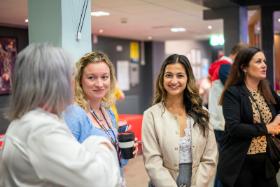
<point>185,144</point>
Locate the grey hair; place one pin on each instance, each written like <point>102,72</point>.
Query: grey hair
<point>41,78</point>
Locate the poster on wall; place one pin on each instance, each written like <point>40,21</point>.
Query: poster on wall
<point>8,52</point>
<point>134,74</point>
<point>123,74</point>
<point>134,52</point>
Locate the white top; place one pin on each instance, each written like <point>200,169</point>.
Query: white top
<point>40,151</point>
<point>185,144</point>
<point>215,109</point>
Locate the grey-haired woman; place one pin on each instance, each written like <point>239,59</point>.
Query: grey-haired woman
<point>39,148</point>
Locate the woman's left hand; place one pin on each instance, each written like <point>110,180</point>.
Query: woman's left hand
<point>135,147</point>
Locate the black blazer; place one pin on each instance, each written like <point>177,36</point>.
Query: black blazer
<point>239,131</point>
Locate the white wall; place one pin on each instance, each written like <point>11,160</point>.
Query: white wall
<point>198,52</point>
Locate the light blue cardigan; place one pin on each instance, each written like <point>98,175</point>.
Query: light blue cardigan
<point>81,126</point>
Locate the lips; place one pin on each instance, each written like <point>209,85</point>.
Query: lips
<point>98,91</point>
<point>263,72</point>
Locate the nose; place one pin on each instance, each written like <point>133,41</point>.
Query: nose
<point>264,65</point>
<point>174,80</point>
<point>98,82</point>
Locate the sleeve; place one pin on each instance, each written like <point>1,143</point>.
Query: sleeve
<point>232,113</point>
<point>56,156</point>
<point>75,118</point>
<point>208,163</point>
<point>277,99</point>
<point>153,161</point>
<point>215,110</point>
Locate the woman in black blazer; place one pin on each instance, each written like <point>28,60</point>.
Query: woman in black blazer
<point>250,109</point>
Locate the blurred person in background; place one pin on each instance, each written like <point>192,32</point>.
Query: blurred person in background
<point>118,95</point>
<point>218,73</point>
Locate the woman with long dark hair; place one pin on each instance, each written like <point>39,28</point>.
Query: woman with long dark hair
<point>179,145</point>
<point>250,109</point>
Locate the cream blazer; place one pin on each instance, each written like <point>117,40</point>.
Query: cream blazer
<point>160,135</point>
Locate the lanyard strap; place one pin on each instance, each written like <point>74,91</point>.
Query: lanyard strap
<point>113,139</point>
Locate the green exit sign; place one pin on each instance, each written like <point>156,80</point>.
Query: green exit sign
<point>217,39</point>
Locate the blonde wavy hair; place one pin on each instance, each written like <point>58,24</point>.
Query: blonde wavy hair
<point>93,58</point>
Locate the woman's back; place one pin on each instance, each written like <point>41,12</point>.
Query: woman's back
<point>40,151</point>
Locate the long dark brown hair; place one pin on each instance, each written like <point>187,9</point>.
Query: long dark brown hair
<point>237,75</point>
<point>192,100</point>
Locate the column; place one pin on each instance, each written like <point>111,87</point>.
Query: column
<point>57,22</point>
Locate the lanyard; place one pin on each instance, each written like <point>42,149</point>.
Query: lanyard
<point>113,136</point>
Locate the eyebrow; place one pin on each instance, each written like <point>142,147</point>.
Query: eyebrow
<point>183,73</point>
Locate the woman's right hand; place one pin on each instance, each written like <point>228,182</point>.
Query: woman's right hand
<point>274,127</point>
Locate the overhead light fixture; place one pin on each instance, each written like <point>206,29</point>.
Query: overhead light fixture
<point>177,29</point>
<point>99,13</point>
<point>101,30</point>
<point>26,20</point>
<point>209,27</point>
<point>150,38</point>
<point>278,19</point>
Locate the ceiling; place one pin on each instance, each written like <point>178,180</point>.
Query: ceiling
<point>153,18</point>
<point>133,19</point>
<point>143,18</point>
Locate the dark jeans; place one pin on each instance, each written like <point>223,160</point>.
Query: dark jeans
<point>253,173</point>
<point>219,136</point>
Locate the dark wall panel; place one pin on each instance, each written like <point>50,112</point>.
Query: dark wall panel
<point>109,46</point>
<point>22,41</point>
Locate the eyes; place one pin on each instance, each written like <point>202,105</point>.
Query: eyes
<point>178,75</point>
<point>259,61</point>
<point>94,78</point>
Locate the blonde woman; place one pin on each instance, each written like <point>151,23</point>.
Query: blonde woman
<point>94,91</point>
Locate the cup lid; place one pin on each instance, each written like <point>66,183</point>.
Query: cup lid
<point>126,136</point>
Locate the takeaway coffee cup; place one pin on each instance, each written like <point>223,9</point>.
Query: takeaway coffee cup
<point>126,144</point>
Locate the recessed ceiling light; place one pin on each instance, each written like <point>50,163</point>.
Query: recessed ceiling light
<point>101,31</point>
<point>278,19</point>
<point>99,13</point>
<point>209,27</point>
<point>150,38</point>
<point>26,20</point>
<point>177,29</point>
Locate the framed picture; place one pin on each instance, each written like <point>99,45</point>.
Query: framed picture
<point>8,52</point>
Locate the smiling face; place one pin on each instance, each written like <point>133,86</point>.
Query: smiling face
<point>257,67</point>
<point>175,79</point>
<point>96,80</point>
